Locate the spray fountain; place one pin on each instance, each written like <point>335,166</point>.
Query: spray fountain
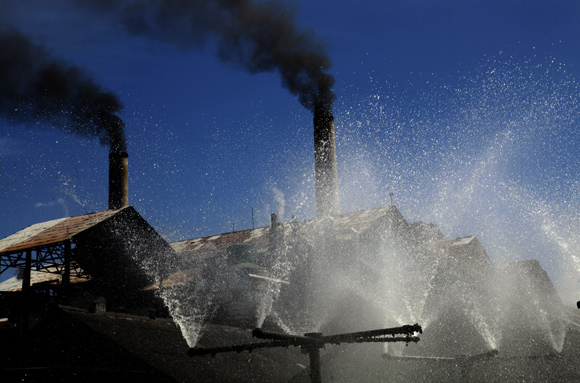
<point>484,306</point>
<point>479,301</point>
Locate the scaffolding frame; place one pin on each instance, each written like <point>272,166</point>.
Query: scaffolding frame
<point>54,258</point>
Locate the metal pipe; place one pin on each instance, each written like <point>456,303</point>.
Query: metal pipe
<point>315,370</point>
<point>291,340</point>
<point>379,335</point>
<point>462,358</point>
<point>239,348</point>
<point>313,342</point>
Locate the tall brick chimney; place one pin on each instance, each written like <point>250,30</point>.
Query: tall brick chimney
<point>118,180</point>
<point>327,202</point>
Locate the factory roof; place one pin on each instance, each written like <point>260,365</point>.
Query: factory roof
<point>46,233</point>
<point>109,246</point>
<point>364,220</point>
<point>344,224</point>
<point>215,244</point>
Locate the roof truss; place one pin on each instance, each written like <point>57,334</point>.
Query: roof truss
<point>55,258</point>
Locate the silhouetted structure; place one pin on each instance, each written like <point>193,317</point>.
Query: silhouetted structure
<point>398,267</point>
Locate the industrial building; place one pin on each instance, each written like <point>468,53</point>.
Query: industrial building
<point>85,305</point>
<point>103,296</point>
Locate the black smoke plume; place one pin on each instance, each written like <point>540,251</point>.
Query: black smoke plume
<point>36,89</point>
<point>259,36</point>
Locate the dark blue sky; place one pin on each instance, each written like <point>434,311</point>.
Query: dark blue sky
<point>466,110</point>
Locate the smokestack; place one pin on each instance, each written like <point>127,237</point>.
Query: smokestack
<point>258,36</point>
<point>118,180</point>
<point>327,203</point>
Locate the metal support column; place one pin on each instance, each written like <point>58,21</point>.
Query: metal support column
<point>26,295</point>
<point>314,354</point>
<point>26,272</point>
<point>315,370</point>
<point>67,259</point>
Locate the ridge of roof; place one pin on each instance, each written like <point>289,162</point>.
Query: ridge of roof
<point>341,217</point>
<point>259,236</point>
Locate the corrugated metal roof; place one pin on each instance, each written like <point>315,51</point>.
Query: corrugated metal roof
<point>344,224</point>
<point>217,243</point>
<point>54,231</point>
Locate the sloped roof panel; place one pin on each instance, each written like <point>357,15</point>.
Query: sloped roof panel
<point>359,221</point>
<point>220,242</point>
<point>54,231</point>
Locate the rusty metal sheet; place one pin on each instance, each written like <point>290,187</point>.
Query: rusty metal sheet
<point>53,231</point>
<point>359,221</point>
<point>217,243</point>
